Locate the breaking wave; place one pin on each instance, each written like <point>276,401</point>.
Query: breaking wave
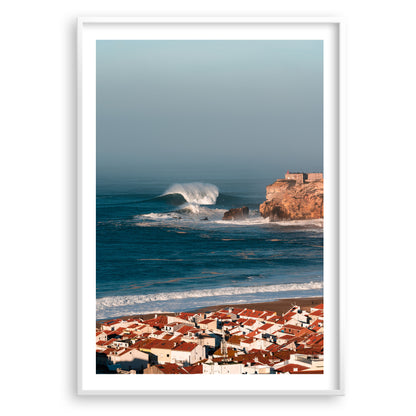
<point>117,301</point>
<point>316,223</point>
<point>195,192</point>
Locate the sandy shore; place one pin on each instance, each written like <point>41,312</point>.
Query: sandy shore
<point>279,306</point>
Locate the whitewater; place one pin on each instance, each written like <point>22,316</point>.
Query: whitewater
<point>128,305</point>
<point>170,250</point>
<point>195,193</point>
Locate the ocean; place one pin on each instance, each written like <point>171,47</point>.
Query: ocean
<point>163,247</point>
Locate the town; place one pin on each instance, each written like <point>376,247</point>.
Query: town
<point>228,341</point>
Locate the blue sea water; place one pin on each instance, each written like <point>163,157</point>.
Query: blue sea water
<point>165,248</point>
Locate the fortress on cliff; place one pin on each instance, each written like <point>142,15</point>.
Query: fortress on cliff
<point>301,177</point>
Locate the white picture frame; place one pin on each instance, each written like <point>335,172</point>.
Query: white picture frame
<point>331,31</point>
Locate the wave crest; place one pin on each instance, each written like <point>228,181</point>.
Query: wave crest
<point>195,192</point>
<point>225,291</point>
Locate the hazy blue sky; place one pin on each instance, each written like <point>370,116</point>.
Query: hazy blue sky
<point>201,109</point>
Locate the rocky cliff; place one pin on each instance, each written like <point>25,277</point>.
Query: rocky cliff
<point>287,200</point>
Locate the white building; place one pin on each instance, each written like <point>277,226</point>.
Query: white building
<point>311,362</point>
<point>178,319</point>
<point>222,368</point>
<point>100,336</point>
<point>187,353</point>
<point>119,343</point>
<point>128,359</point>
<point>258,369</point>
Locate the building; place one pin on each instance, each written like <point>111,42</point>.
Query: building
<point>301,363</point>
<point>258,369</point>
<point>210,324</point>
<point>165,369</point>
<point>163,351</point>
<point>222,368</point>
<point>301,177</point>
<point>226,341</point>
<point>187,353</point>
<point>100,336</point>
<point>127,359</point>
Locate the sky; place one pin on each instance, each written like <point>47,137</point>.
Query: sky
<point>191,110</point>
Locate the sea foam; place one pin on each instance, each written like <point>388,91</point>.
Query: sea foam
<point>116,301</point>
<point>195,192</point>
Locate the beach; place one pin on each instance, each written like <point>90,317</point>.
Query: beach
<point>279,306</point>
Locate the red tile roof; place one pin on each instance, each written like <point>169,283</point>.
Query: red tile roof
<point>291,368</point>
<point>315,339</point>
<point>195,369</point>
<point>269,313</point>
<point>220,316</point>
<point>250,322</point>
<point>186,315</point>
<point>185,329</point>
<point>305,331</point>
<point>311,372</point>
<point>274,318</point>
<point>235,339</point>
<point>158,322</point>
<point>287,337</point>
<point>186,346</point>
<point>112,322</point>
<point>265,327</point>
<point>252,334</point>
<point>272,347</point>
<point>171,369</point>
<point>248,341</point>
<point>252,313</point>
<point>315,326</point>
<point>177,339</point>
<point>206,321</point>
<point>151,343</point>
<point>230,324</point>
<point>291,329</point>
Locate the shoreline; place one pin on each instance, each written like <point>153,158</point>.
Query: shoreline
<point>279,306</point>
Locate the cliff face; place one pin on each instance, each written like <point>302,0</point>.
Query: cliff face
<point>286,200</point>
